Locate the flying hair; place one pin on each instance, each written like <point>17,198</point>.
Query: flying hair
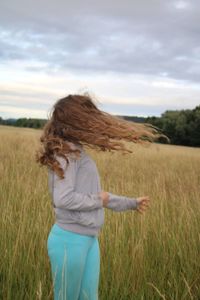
<point>77,119</point>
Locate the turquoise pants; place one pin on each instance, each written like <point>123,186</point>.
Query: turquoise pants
<point>75,264</point>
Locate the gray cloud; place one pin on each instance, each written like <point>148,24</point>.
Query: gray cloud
<point>154,37</point>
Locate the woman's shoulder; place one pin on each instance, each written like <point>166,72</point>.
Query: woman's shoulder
<point>71,155</point>
<point>76,146</point>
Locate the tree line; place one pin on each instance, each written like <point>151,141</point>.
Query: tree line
<point>181,126</point>
<point>24,122</point>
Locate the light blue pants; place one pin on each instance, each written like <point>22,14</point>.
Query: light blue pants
<point>75,264</point>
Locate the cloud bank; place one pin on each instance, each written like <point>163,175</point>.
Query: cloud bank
<point>130,52</point>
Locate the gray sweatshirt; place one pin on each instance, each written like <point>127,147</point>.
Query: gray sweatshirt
<point>76,198</point>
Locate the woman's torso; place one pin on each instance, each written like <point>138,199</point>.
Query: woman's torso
<point>87,181</point>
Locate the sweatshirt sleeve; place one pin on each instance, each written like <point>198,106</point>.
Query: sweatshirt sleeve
<point>121,203</point>
<point>64,194</point>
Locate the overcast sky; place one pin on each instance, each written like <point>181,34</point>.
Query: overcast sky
<point>136,57</point>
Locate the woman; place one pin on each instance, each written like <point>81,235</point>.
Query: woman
<point>74,184</point>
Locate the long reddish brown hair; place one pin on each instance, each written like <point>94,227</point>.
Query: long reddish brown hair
<point>78,120</point>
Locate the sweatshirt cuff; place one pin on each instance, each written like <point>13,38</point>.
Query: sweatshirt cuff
<point>132,203</point>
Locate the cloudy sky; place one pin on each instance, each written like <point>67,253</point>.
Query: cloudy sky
<point>135,57</point>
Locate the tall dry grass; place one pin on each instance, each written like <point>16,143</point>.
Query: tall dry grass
<point>148,257</point>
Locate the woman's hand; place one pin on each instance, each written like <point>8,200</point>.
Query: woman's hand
<point>105,198</point>
<point>143,203</point>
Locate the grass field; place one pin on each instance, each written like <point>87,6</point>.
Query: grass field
<point>148,257</point>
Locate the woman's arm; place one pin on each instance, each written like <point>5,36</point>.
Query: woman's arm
<point>118,202</point>
<point>121,203</point>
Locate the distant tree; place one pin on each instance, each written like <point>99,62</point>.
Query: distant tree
<point>194,128</point>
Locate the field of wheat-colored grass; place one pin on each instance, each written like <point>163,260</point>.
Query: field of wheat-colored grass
<point>143,257</point>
